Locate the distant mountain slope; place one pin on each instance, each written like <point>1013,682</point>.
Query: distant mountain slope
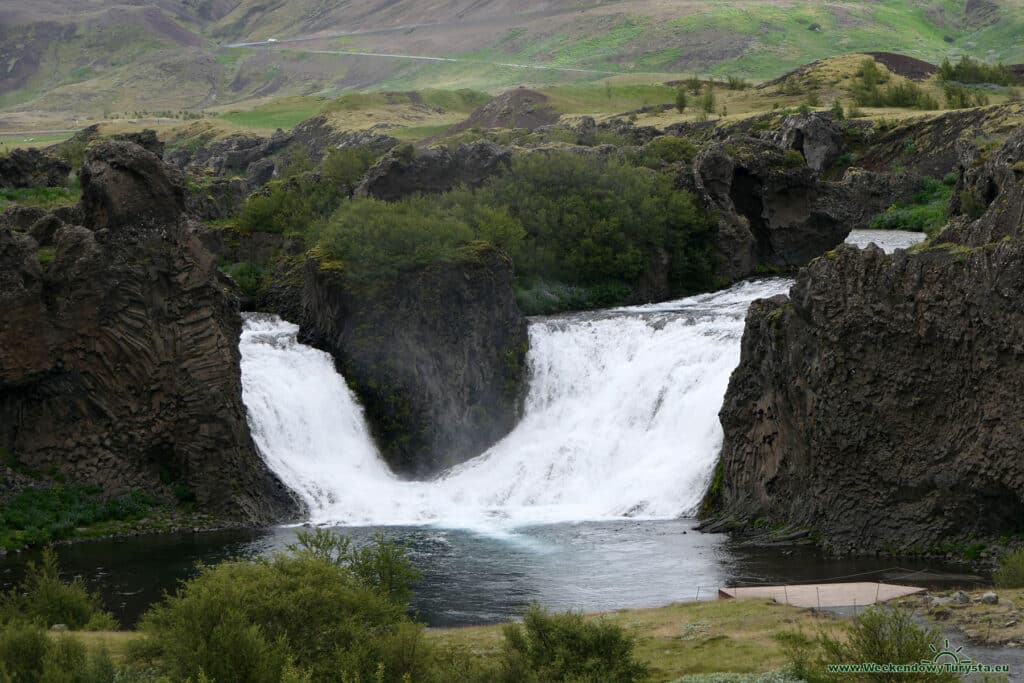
<point>89,56</point>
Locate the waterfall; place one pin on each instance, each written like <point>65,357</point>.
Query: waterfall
<point>620,420</point>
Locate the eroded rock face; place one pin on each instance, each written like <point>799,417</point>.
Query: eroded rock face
<point>816,136</point>
<point>769,209</point>
<point>438,169</point>
<point>435,356</point>
<point>119,362</point>
<point>31,168</point>
<point>879,403</point>
<point>862,195</point>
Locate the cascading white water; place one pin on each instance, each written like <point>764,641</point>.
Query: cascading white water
<point>620,420</point>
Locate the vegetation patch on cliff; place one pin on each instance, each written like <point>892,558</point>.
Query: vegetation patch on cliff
<point>928,213</point>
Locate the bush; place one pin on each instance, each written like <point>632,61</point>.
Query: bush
<point>294,204</point>
<point>334,613</point>
<point>928,213</point>
<point>969,70</point>
<point>1010,572</point>
<point>879,634</point>
<point>793,159</point>
<point>867,90</point>
<point>591,222</point>
<point>29,655</point>
<point>959,97</point>
<point>44,599</point>
<point>668,149</point>
<point>681,101</point>
<point>36,517</point>
<point>566,647</point>
<point>376,239</point>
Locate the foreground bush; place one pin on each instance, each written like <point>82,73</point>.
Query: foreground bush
<point>879,635</point>
<point>334,613</point>
<point>1010,572</point>
<point>549,648</point>
<point>43,599</point>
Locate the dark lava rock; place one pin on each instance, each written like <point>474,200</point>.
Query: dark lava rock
<point>319,135</point>
<point>119,361</point>
<point>769,211</point>
<point>24,168</point>
<point>879,403</point>
<point>436,356</point>
<point>862,195</point>
<point>816,136</point>
<point>405,171</point>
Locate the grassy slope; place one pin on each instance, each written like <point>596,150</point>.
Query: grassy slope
<point>171,62</point>
<point>722,635</point>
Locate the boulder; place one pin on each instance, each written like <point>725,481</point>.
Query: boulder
<point>405,171</point>
<point>24,168</point>
<point>127,186</point>
<point>815,135</point>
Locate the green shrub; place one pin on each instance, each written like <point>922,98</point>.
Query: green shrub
<point>928,213</point>
<point>681,101</point>
<point>376,239</point>
<point>879,634</point>
<point>669,149</point>
<point>707,100</point>
<point>959,97</point>
<point>969,70</point>
<point>1010,572</point>
<point>36,517</point>
<point>589,222</point>
<point>29,655</point>
<point>295,203</point>
<point>22,652</point>
<point>867,90</point>
<point>44,599</point>
<point>567,647</point>
<point>325,609</point>
<point>793,159</point>
<point>250,278</point>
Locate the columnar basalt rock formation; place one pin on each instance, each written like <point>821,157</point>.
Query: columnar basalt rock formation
<point>879,403</point>
<point>119,362</point>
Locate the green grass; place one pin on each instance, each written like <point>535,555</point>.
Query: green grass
<point>285,113</point>
<point>928,213</point>
<point>43,197</point>
<point>39,516</point>
<point>588,98</point>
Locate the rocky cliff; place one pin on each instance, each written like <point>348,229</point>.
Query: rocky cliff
<point>436,356</point>
<point>119,362</point>
<point>768,206</point>
<point>879,403</point>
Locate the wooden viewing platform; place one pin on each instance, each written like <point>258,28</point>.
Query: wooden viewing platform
<point>823,594</point>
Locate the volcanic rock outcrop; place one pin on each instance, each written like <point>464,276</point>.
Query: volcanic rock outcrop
<point>119,361</point>
<point>24,168</point>
<point>437,357</point>
<point>879,403</point>
<point>768,206</point>
<point>405,171</point>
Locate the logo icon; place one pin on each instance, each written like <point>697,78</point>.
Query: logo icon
<point>951,656</point>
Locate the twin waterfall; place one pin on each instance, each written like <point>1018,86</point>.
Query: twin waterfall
<point>621,420</point>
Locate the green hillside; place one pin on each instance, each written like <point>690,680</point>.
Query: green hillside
<point>97,59</point>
